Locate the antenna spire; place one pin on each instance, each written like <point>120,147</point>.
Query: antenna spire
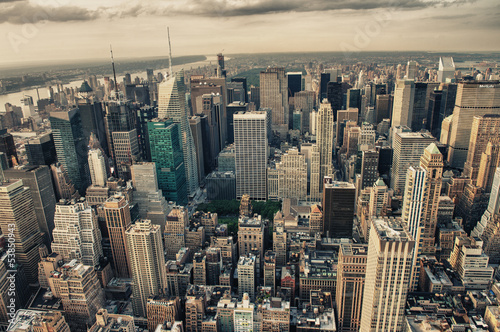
<point>114,72</point>
<point>169,54</point>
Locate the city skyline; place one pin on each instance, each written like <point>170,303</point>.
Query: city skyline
<point>198,27</point>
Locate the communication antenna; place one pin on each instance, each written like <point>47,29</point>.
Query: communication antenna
<point>169,54</point>
<point>114,72</point>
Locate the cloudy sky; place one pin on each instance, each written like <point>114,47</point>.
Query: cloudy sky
<point>39,30</point>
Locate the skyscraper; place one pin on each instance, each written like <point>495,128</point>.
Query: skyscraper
<point>126,151</point>
<point>172,105</point>
<point>177,221</point>
<point>97,167</point>
<point>473,98</point>
<point>40,150</point>
<point>385,289</point>
<point>324,140</point>
<point>274,95</point>
<point>147,263</point>
<point>251,149</point>
<point>292,180</point>
<point>71,146</point>
<point>246,276</point>
<point>404,98</point>
<point>76,233</point>
<point>17,217</point>
<point>166,153</point>
<point>8,147</point>
<point>446,71</point>
<point>338,208</point>
<point>117,214</point>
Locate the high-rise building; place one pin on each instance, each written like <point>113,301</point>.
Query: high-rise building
<point>8,147</point>
<point>243,315</point>
<point>97,167</point>
<point>446,71</point>
<point>420,104</point>
<point>76,233</point>
<point>166,153</point>
<point>144,115</point>
<point>177,221</point>
<point>385,290</point>
<point>71,146</point>
<point>195,124</point>
<point>274,95</point>
<point>338,208</point>
<point>294,83</point>
<point>119,117</point>
<point>335,96</point>
<point>324,140</point>
<point>305,101</point>
<point>411,70</point>
<point>92,117</point>
<point>62,183</point>
<point>246,276</point>
<point>251,236</point>
<point>404,98</point>
<point>106,322</point>
<point>270,270</point>
<point>199,269</point>
<point>126,151</point>
<point>80,292</point>
<point>225,313</point>
<point>37,320</point>
<point>311,153</point>
<point>473,98</point>
<point>369,168</point>
<point>172,104</point>
<point>118,220</point>
<point>161,309</point>
<point>408,148</point>
<point>485,129</point>
<point>251,149</point>
<point>353,98</point>
<point>147,263</point>
<point>39,181</point>
<point>40,150</point>
<point>242,80</point>
<point>292,175</point>
<point>351,272</point>
<point>275,315</point>
<point>18,217</point>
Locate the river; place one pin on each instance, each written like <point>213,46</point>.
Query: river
<point>15,98</point>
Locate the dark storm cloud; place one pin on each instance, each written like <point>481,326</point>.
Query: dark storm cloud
<point>20,12</point>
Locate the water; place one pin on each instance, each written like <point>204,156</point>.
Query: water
<point>15,98</point>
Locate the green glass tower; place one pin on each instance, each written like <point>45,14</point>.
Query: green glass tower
<point>166,153</point>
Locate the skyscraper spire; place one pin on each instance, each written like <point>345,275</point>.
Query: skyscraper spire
<point>169,54</point>
<point>114,72</point>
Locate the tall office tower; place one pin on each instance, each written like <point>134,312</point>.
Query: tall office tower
<point>351,140</point>
<point>225,313</point>
<point>246,276</point>
<point>92,117</point>
<point>8,147</point>
<point>152,204</point>
<point>274,95</point>
<point>433,110</point>
<point>353,98</point>
<point>304,101</point>
<point>270,270</point>
<point>39,181</point>
<point>81,294</point>
<point>369,168</point>
<point>338,208</point>
<point>294,83</point>
<point>383,108</point>
<point>408,148</point>
<point>473,98</point>
<point>379,198</point>
<point>343,116</point>
<point>144,115</point>
<point>255,96</point>
<point>195,125</point>
<point>311,154</point>
<point>276,315</point>
<point>118,220</point>
<point>490,160</point>
<point>214,265</point>
<point>485,129</point>
<point>488,227</point>
<point>251,236</point>
<point>292,170</point>
<point>385,290</point>
<point>199,269</point>
<point>419,110</point>
<point>316,220</point>
<point>41,150</point>
<point>97,167</point>
<point>323,83</point>
<point>195,307</point>
<point>351,272</point>
<point>335,96</point>
<point>76,233</point>
<point>366,140</point>
<point>246,208</point>
<point>243,315</point>
<point>242,80</point>
<point>166,153</point>
<point>251,149</point>
<point>172,104</point>
<point>280,245</point>
<point>411,70</point>
<point>119,117</point>
<point>147,263</point>
<point>161,309</point>
<point>230,110</point>
<point>177,221</point>
<point>64,188</point>
<point>404,99</point>
<point>446,71</point>
<point>324,140</point>
<point>448,98</point>
<point>109,322</point>
<point>18,217</point>
<point>126,152</point>
<point>377,89</point>
<point>71,146</point>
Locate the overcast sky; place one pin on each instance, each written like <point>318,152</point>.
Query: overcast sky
<point>34,30</point>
